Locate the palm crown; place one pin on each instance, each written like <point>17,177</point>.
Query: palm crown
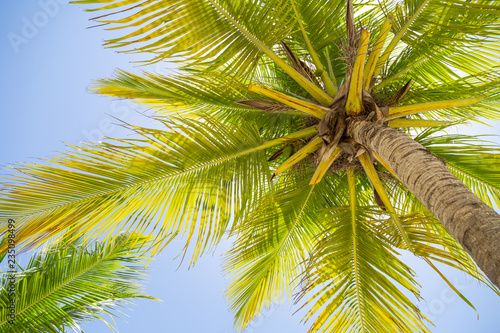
<point>285,127</point>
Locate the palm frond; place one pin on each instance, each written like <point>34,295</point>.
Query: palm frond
<point>437,46</point>
<point>196,94</point>
<point>354,278</point>
<point>186,95</point>
<point>273,243</point>
<point>473,161</point>
<point>203,30</point>
<point>193,177</point>
<point>70,284</point>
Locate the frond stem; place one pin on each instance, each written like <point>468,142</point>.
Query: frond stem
<point>352,201</point>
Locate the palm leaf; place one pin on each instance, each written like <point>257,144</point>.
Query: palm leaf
<point>196,94</point>
<point>206,30</point>
<point>437,43</point>
<point>169,180</point>
<point>354,278</point>
<point>473,161</point>
<point>273,242</point>
<point>186,95</point>
<point>70,284</point>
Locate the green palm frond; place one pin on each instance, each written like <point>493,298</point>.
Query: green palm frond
<point>196,94</point>
<point>273,243</point>
<point>485,84</point>
<point>441,38</point>
<point>178,95</point>
<point>193,177</point>
<point>473,161</point>
<point>204,30</point>
<point>67,285</point>
<point>354,278</point>
<point>325,40</point>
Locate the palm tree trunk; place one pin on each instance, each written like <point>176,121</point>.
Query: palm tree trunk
<point>469,220</point>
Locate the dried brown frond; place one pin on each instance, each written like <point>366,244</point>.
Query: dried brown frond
<point>398,96</point>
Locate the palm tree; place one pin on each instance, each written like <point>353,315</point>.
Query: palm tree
<point>313,134</point>
<point>69,284</point>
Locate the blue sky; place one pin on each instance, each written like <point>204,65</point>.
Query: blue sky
<point>48,58</point>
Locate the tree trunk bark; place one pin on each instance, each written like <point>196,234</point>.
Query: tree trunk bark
<point>468,219</point>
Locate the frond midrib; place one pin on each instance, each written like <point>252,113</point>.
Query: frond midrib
<point>352,199</point>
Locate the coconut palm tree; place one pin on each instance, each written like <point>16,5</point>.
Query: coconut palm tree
<point>313,133</point>
<point>69,284</point>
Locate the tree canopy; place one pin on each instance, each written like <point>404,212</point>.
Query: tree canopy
<point>253,146</point>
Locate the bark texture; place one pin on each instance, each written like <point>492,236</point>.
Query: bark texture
<point>467,218</point>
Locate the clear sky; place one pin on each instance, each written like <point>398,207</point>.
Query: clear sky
<point>47,60</point>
